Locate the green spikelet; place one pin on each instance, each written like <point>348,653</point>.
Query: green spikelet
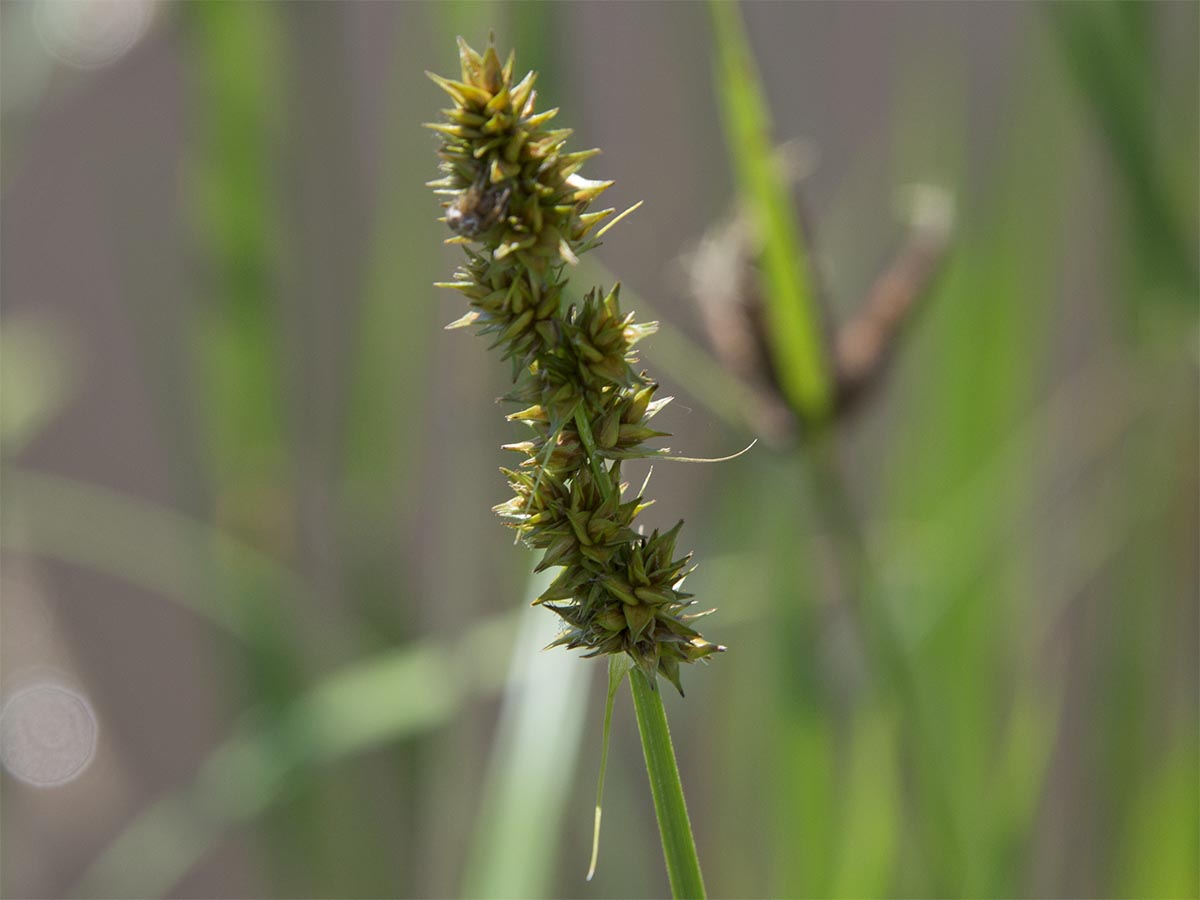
<point>520,209</point>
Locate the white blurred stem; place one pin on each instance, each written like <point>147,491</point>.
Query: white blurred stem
<point>514,850</point>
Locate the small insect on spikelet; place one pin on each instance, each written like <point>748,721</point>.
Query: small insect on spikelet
<point>516,202</point>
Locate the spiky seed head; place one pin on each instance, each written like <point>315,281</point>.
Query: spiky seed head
<point>520,209</point>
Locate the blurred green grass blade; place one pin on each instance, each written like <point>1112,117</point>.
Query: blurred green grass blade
<point>238,56</point>
<point>1108,54</point>
<point>177,557</point>
<point>741,798</point>
<point>892,669</point>
<point>804,802</point>
<point>398,313</point>
<point>1089,446</point>
<point>866,829</point>
<point>37,376</point>
<point>793,317</point>
<point>1163,833</point>
<point>366,705</point>
<point>1021,769</point>
<point>380,448</point>
<point>519,826</point>
<point>1111,52</point>
<point>785,543</point>
<point>1143,655</point>
<point>968,381</point>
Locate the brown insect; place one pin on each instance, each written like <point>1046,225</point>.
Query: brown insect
<point>478,208</point>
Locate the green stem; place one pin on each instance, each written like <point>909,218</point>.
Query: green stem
<point>679,847</point>
<point>794,327</point>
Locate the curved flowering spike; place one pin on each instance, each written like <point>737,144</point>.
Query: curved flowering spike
<point>515,201</point>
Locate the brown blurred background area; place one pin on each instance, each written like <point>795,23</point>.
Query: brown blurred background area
<point>257,611</point>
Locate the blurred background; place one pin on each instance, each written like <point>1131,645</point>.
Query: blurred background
<point>262,635</point>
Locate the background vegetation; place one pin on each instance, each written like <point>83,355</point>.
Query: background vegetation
<point>247,476</point>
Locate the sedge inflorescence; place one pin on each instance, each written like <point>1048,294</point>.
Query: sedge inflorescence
<point>520,209</point>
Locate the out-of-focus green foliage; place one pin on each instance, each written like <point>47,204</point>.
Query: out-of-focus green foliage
<point>970,670</point>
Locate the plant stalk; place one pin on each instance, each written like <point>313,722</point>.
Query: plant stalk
<point>679,847</point>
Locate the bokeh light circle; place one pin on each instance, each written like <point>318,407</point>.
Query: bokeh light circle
<point>89,34</point>
<point>47,735</point>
